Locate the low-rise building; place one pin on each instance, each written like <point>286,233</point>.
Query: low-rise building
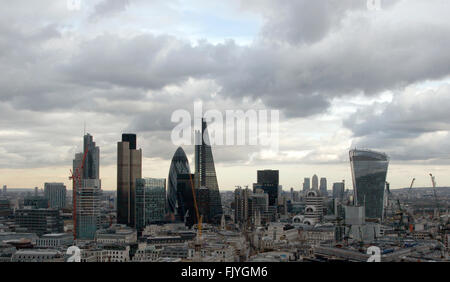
<point>117,234</point>
<point>55,240</point>
<point>37,255</point>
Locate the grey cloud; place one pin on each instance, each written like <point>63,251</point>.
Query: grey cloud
<point>414,126</point>
<point>298,65</point>
<point>109,7</point>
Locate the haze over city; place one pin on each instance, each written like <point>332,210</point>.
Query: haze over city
<point>342,76</point>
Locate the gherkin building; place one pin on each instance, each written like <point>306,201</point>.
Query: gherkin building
<point>178,167</point>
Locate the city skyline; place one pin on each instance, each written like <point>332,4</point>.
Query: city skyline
<point>152,59</point>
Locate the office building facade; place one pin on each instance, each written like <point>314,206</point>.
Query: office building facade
<point>88,191</point>
<point>369,170</point>
<point>56,195</point>
<point>129,168</point>
<point>268,181</point>
<point>39,221</point>
<point>150,201</point>
<point>205,172</point>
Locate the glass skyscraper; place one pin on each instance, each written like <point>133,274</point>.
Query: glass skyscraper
<point>268,180</point>
<point>369,170</point>
<point>150,201</point>
<point>179,168</point>
<point>205,172</point>
<point>88,191</point>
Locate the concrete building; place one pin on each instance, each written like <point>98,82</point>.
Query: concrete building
<point>55,240</point>
<point>40,221</point>
<point>116,234</point>
<point>313,207</point>
<point>55,193</point>
<point>37,255</point>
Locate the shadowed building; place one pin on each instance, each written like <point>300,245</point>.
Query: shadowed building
<point>129,168</point>
<point>268,181</point>
<point>205,173</point>
<point>369,170</point>
<point>150,201</point>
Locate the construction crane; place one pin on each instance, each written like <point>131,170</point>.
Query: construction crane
<point>410,187</point>
<point>75,176</point>
<point>433,181</point>
<point>199,218</point>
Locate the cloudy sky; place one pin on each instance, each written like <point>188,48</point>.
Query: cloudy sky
<point>340,74</point>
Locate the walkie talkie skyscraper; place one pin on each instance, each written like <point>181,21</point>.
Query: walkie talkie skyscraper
<point>369,170</point>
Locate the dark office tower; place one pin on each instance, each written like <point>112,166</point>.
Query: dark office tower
<point>40,221</point>
<point>323,187</point>
<point>205,172</point>
<point>179,166</point>
<point>369,169</point>
<point>150,201</point>
<point>185,196</point>
<point>91,168</point>
<point>88,191</point>
<point>129,168</point>
<point>131,139</point>
<point>268,181</point>
<point>203,195</point>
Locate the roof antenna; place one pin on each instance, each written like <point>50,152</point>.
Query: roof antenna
<point>84,132</point>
